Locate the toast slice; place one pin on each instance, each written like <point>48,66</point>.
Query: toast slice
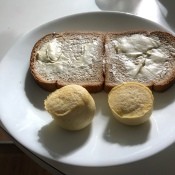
<point>59,59</point>
<point>140,56</point>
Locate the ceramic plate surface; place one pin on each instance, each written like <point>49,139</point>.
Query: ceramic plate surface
<point>105,142</point>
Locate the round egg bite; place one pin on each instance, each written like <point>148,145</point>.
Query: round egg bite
<point>71,106</point>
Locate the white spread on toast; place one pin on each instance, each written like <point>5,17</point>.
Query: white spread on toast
<point>50,52</point>
<point>143,56</point>
<point>69,57</point>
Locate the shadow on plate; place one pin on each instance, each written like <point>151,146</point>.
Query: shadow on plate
<point>101,101</point>
<point>126,135</point>
<point>34,93</point>
<point>167,10</point>
<point>163,99</point>
<point>60,142</point>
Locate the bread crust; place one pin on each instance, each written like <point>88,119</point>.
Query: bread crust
<point>167,82</point>
<point>91,86</point>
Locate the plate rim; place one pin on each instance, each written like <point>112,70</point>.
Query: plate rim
<point>154,151</point>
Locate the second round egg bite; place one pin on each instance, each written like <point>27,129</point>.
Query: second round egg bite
<point>131,103</point>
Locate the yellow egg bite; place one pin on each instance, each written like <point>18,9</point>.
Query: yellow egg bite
<point>71,106</point>
<point>131,103</point>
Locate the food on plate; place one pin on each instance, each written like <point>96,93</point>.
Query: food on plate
<point>99,61</point>
<point>131,103</point>
<point>59,59</point>
<point>140,56</point>
<point>71,106</point>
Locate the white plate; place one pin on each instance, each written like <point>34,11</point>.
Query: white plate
<point>106,142</point>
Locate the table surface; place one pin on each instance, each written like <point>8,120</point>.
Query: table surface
<point>19,16</point>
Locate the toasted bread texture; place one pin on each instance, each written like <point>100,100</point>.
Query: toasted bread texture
<point>100,61</point>
<point>140,56</point>
<point>59,59</point>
